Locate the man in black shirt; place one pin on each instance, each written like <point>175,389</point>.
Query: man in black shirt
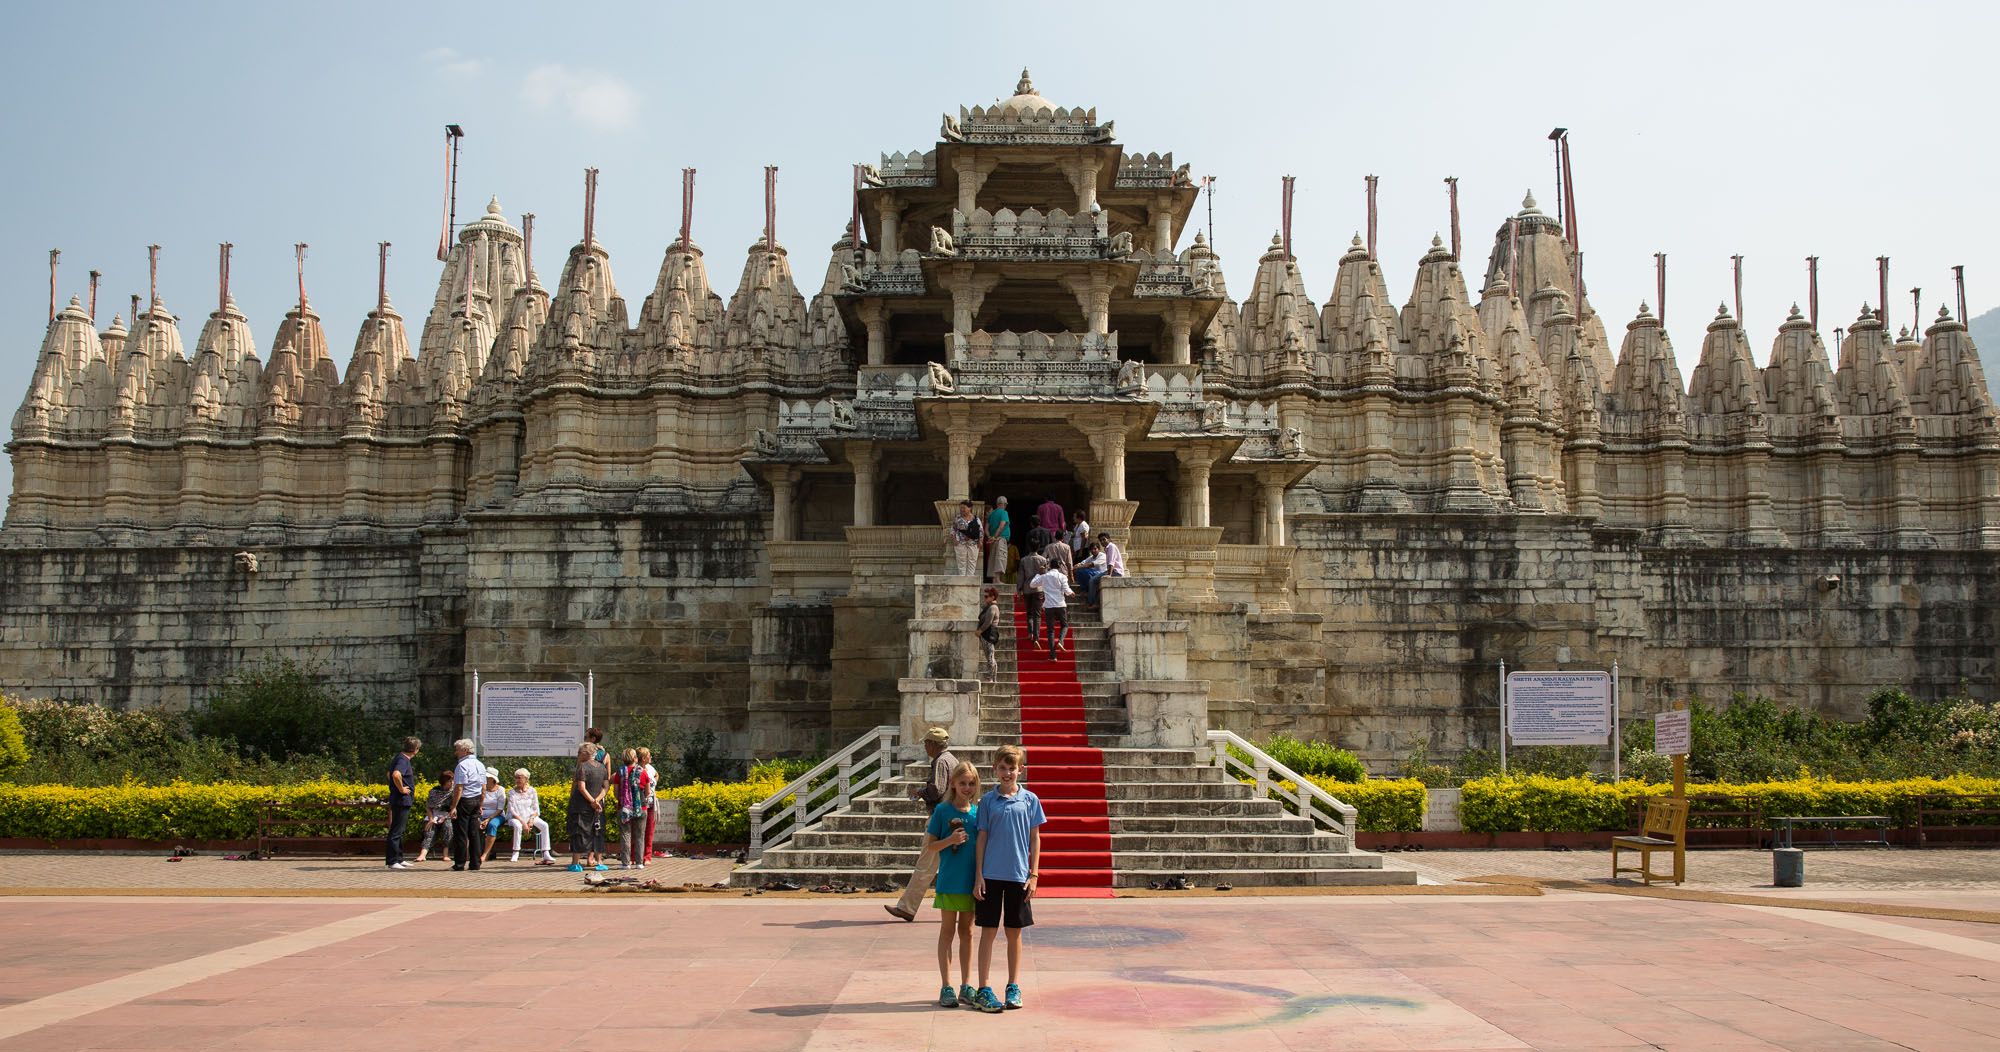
<point>402,795</point>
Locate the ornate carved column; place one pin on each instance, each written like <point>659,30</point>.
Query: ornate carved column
<point>864,458</point>
<point>1180,326</point>
<point>1195,464</point>
<point>1163,227</point>
<point>972,173</point>
<point>783,482</point>
<point>960,444</point>
<point>1093,298</point>
<point>1083,178</point>
<point>890,212</point>
<point>968,291</point>
<point>1109,445</point>
<point>1271,524</point>
<point>876,318</point>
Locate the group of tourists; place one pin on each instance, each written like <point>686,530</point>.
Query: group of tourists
<point>466,811</point>
<point>991,885</point>
<point>1063,559</point>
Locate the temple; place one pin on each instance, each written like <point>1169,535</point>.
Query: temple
<point>1339,515</point>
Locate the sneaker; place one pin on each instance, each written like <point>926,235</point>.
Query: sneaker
<point>986,1002</point>
<point>516,857</point>
<point>402,865</point>
<point>947,998</point>
<point>576,867</point>
<point>1013,995</point>
<point>967,998</point>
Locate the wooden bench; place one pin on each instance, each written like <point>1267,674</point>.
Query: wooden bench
<point>1664,829</point>
<point>305,829</point>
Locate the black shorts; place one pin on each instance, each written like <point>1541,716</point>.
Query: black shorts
<point>1007,898</point>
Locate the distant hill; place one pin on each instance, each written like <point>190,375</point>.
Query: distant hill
<point>1985,331</point>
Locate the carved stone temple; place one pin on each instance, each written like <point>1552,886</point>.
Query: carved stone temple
<point>1341,507</point>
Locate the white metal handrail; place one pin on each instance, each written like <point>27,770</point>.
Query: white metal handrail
<point>1311,801</point>
<point>855,770</point>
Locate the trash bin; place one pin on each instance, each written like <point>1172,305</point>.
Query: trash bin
<point>1788,867</point>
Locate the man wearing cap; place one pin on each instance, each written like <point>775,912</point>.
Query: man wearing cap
<point>943,762</point>
<point>469,784</point>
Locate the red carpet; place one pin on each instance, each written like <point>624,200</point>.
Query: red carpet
<point>1064,771</point>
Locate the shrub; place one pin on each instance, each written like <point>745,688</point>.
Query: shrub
<point>1316,758</point>
<point>1537,803</point>
<point>1541,803</point>
<point>280,709</point>
<point>782,769</point>
<point>719,812</point>
<point>1382,805</point>
<point>13,740</point>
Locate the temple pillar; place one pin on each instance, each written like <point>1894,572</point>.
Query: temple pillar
<point>960,445</point>
<point>1109,445</point>
<point>1180,327</point>
<point>1083,178</point>
<point>783,483</point>
<point>972,173</point>
<point>1271,524</point>
<point>864,460</point>
<point>890,214</point>
<point>1195,465</point>
<point>876,319</point>
<point>1093,298</point>
<point>1163,229</point>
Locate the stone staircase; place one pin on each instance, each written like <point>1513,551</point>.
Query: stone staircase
<point>1167,812</point>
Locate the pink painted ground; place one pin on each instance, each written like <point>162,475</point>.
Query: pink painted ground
<point>1297,974</point>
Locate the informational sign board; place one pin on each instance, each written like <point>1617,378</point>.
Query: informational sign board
<point>1559,708</point>
<point>1672,733</point>
<point>532,719</point>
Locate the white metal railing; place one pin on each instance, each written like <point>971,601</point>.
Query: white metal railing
<point>1269,777</point>
<point>833,784</point>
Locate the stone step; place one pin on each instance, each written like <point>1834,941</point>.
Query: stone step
<point>1112,774</point>
<point>803,858</point>
<point>1246,880</point>
<point>911,840</point>
<point>1112,757</point>
<point>1139,807</point>
<point>912,823</point>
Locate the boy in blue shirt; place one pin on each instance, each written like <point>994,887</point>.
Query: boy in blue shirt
<point>1009,858</point>
<point>951,825</point>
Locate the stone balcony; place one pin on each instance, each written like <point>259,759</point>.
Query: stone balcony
<point>1041,365</point>
<point>1030,235</point>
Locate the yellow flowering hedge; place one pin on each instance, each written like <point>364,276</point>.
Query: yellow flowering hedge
<point>1543,804</point>
<point>1381,805</point>
<point>711,812</point>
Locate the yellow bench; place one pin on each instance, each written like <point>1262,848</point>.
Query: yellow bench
<point>1665,829</point>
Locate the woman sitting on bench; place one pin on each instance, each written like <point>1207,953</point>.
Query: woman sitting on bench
<point>524,809</point>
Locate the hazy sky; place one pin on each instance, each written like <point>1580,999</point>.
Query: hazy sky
<point>1700,130</point>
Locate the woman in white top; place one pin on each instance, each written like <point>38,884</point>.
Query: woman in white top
<point>524,809</point>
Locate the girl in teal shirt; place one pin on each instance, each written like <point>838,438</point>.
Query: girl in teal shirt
<point>952,825</point>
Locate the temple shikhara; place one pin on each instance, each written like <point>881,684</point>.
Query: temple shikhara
<point>1341,507</point>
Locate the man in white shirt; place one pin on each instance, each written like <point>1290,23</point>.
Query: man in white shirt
<point>468,839</point>
<point>1054,586</point>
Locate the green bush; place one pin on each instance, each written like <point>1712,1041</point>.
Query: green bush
<point>782,770</point>
<point>719,812</point>
<point>1538,803</point>
<point>13,739</point>
<point>1316,759</point>
<point>1382,805</point>
<point>280,709</point>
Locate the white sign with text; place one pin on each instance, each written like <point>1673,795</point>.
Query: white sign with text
<point>532,719</point>
<point>1673,732</point>
<point>1559,708</point>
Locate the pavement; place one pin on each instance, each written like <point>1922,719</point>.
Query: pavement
<point>1560,965</point>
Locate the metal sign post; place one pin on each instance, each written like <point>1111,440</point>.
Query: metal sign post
<point>1503,717</point>
<point>1617,730</point>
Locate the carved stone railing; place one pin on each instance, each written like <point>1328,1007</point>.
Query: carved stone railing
<point>898,275</point>
<point>1065,365</point>
<point>1171,277</point>
<point>832,785</point>
<point>1143,170</point>
<point>1030,235</point>
<point>1051,126</point>
<point>907,169</point>
<point>800,568</point>
<point>1240,760</point>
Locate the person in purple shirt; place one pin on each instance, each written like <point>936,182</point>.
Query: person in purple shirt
<point>1049,516</point>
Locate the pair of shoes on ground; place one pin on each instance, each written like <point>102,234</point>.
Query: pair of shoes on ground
<point>401,865</point>
<point>986,1002</point>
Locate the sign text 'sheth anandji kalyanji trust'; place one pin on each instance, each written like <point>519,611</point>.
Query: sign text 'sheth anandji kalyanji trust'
<point>531,719</point>
<point>1559,708</point>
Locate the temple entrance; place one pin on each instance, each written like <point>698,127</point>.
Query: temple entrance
<point>1026,479</point>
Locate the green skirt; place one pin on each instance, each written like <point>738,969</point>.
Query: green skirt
<point>954,903</point>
